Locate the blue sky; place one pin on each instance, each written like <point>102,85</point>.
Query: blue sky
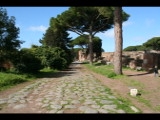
<point>142,25</point>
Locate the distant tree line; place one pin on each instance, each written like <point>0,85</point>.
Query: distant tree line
<point>151,44</point>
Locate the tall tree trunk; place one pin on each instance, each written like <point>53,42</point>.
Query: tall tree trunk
<point>118,40</point>
<point>90,49</point>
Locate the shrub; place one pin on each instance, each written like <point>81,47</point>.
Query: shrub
<point>27,63</point>
<point>112,74</point>
<point>58,63</point>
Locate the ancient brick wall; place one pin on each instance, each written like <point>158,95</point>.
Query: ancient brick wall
<point>81,56</point>
<point>133,59</point>
<point>6,65</point>
<point>109,56</point>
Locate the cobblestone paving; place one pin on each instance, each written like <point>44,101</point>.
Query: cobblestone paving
<point>77,92</point>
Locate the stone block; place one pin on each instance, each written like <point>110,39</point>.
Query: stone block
<point>133,92</point>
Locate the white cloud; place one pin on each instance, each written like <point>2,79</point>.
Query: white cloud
<point>40,28</point>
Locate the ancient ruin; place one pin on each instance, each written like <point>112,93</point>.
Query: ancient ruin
<point>138,60</point>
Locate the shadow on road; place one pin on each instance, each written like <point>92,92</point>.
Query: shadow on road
<point>66,72</point>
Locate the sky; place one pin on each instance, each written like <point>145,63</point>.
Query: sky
<point>142,25</point>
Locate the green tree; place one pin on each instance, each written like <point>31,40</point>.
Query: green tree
<point>153,43</point>
<point>135,48</point>
<point>97,46</point>
<point>56,35</point>
<point>9,44</point>
<point>83,42</point>
<point>27,62</point>
<point>87,20</point>
<point>53,57</point>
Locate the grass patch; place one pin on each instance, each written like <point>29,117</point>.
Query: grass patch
<point>125,105</point>
<point>9,79</point>
<point>46,72</point>
<point>106,70</point>
<point>157,108</point>
<point>146,102</point>
<point>101,69</point>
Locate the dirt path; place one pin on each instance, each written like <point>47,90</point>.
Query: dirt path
<point>150,87</point>
<point>75,90</point>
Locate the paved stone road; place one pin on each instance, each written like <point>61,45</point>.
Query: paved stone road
<point>75,92</point>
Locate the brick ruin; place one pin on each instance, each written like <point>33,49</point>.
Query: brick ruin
<point>134,59</point>
<point>81,56</point>
<point>6,65</point>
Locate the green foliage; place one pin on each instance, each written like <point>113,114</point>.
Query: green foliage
<point>112,74</point>
<point>10,79</point>
<point>58,63</point>
<point>153,43</point>
<point>97,46</point>
<point>58,38</point>
<point>108,12</point>
<point>136,48</point>
<point>91,20</point>
<point>56,35</point>
<point>55,58</point>
<point>27,62</point>
<point>8,36</point>
<point>83,42</point>
<point>80,19</point>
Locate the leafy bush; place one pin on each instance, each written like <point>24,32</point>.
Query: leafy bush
<point>55,58</point>
<point>27,62</point>
<point>58,63</point>
<point>2,69</point>
<point>112,74</point>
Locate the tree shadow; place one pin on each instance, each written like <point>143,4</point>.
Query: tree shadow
<point>98,64</point>
<point>59,74</point>
<point>66,72</point>
<point>140,74</point>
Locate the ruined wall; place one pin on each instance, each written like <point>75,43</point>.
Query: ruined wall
<point>126,56</point>
<point>6,65</point>
<point>81,56</point>
<point>150,60</point>
<point>133,59</point>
